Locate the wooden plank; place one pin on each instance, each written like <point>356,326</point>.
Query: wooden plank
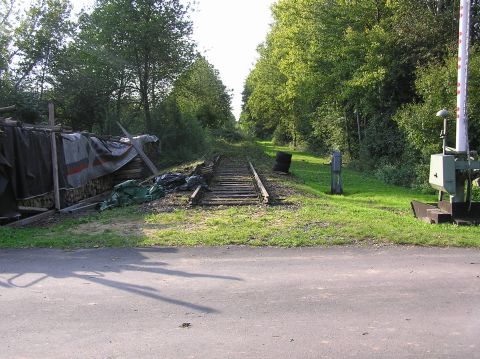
<point>84,207</point>
<point>139,149</point>
<point>56,186</point>
<point>233,185</point>
<point>195,197</point>
<point>87,201</point>
<point>32,209</point>
<point>232,190</point>
<point>32,219</point>
<point>230,203</point>
<point>251,193</point>
<point>232,196</point>
<point>261,187</point>
<point>9,122</point>
<point>8,109</point>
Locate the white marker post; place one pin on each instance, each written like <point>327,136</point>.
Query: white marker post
<point>462,85</point>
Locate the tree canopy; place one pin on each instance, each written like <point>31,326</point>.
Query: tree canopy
<point>128,61</point>
<point>359,76</point>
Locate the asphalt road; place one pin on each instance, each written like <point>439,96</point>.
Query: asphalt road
<point>388,302</point>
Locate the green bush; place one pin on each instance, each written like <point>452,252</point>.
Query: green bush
<point>400,175</point>
<point>228,134</point>
<point>476,193</point>
<point>182,136</point>
<point>281,136</point>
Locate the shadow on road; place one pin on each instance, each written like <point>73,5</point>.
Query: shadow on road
<point>18,266</point>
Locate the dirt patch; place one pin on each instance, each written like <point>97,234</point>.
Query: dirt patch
<point>167,204</point>
<point>122,227</point>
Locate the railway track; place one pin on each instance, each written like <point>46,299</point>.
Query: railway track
<point>235,182</point>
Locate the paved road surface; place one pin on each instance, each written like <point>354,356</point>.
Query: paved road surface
<point>385,302</point>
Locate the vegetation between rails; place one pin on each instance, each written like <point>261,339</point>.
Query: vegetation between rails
<point>369,212</point>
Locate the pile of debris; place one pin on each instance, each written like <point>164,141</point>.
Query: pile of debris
<point>50,168</point>
<point>133,192</point>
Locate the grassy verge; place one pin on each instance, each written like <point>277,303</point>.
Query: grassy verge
<point>369,212</point>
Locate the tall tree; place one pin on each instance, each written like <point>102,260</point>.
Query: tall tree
<point>339,69</point>
<point>38,39</point>
<point>201,92</point>
<point>6,8</point>
<point>153,39</point>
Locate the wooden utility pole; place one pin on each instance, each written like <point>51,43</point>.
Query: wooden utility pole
<point>56,186</point>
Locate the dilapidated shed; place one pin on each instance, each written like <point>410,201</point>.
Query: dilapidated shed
<point>87,165</point>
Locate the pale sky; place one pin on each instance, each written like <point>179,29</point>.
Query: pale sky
<point>227,33</point>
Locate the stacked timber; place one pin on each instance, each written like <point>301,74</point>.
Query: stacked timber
<point>135,170</point>
<point>71,195</point>
<point>92,188</point>
<point>152,150</point>
<point>43,201</point>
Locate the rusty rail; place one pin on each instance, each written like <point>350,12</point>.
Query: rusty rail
<point>235,183</point>
<point>260,186</point>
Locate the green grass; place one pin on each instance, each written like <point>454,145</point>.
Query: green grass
<point>369,212</point>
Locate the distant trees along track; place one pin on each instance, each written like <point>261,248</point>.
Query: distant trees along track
<point>235,182</point>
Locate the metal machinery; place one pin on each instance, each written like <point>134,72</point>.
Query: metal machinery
<point>336,167</point>
<point>452,172</point>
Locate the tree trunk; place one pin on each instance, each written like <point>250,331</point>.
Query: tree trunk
<point>144,80</point>
<point>146,109</point>
<point>347,136</point>
<point>358,128</point>
<point>439,6</point>
<point>121,90</point>
<point>42,80</point>
<point>378,12</point>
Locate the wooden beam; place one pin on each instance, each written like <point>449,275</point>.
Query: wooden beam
<point>84,207</point>
<point>85,202</point>
<point>195,197</point>
<point>32,209</point>
<point>8,109</point>
<point>139,149</point>
<point>56,186</point>
<point>261,187</point>
<point>32,219</point>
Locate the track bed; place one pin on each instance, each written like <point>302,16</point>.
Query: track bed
<point>235,183</point>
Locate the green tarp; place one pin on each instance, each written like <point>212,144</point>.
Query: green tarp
<point>132,192</point>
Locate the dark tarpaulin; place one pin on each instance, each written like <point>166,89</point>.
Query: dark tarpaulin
<point>29,153</point>
<point>26,163</point>
<point>8,205</point>
<point>26,166</point>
